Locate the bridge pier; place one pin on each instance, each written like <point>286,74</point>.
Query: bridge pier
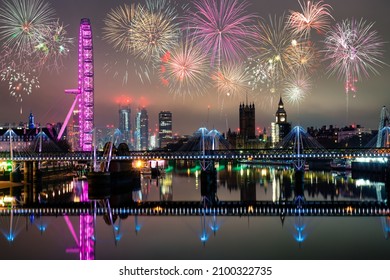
<point>208,184</point>
<point>299,183</point>
<point>15,176</point>
<point>32,181</point>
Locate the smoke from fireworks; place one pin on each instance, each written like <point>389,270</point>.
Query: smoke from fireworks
<point>354,50</point>
<point>185,69</point>
<point>314,16</point>
<point>222,28</point>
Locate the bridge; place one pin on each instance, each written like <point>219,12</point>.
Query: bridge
<point>298,145</point>
<point>231,154</point>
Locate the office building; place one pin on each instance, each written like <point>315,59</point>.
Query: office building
<point>141,135</point>
<point>125,124</point>
<point>164,128</point>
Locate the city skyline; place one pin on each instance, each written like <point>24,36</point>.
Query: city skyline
<point>324,105</point>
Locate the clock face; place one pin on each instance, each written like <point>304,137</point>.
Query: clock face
<point>282,119</point>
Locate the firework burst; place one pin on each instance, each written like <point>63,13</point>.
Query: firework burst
<point>262,84</point>
<point>298,86</point>
<point>232,80</point>
<point>314,15</point>
<point>185,69</point>
<point>354,50</point>
<point>52,45</point>
<point>222,28</point>
<point>118,26</point>
<point>19,83</point>
<point>155,29</point>
<point>301,56</point>
<point>258,73</point>
<point>275,40</point>
<point>21,22</point>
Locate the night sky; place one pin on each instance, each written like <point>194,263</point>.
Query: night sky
<point>324,105</point>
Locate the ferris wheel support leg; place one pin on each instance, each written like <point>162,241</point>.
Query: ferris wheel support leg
<point>66,119</point>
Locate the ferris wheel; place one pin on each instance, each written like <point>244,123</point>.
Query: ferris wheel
<point>84,124</point>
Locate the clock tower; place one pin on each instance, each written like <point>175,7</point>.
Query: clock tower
<point>281,116</point>
<point>280,128</point>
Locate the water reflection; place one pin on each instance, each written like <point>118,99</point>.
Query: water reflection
<point>299,226</point>
<point>10,226</point>
<point>386,226</point>
<point>40,222</point>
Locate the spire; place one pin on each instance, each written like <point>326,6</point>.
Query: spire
<point>281,102</point>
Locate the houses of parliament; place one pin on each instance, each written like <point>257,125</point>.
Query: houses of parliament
<point>246,137</point>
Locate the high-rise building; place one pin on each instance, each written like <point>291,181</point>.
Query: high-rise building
<point>74,131</point>
<point>247,121</point>
<point>142,130</point>
<point>125,124</point>
<point>280,128</point>
<point>164,128</point>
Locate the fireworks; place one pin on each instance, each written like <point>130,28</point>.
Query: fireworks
<point>314,16</point>
<point>154,30</point>
<point>185,70</point>
<point>124,67</point>
<point>222,27</point>
<point>117,29</point>
<point>19,83</point>
<point>21,22</point>
<point>232,80</point>
<point>52,45</point>
<point>258,74</point>
<point>297,87</point>
<point>301,56</point>
<point>275,40</point>
<point>354,50</point>
<point>6,59</point>
<point>262,83</point>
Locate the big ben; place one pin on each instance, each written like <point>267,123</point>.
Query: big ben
<point>280,128</point>
<point>281,116</point>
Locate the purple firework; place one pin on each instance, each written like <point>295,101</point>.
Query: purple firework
<point>223,28</point>
<point>354,50</point>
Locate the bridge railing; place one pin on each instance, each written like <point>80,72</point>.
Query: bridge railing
<point>260,154</point>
